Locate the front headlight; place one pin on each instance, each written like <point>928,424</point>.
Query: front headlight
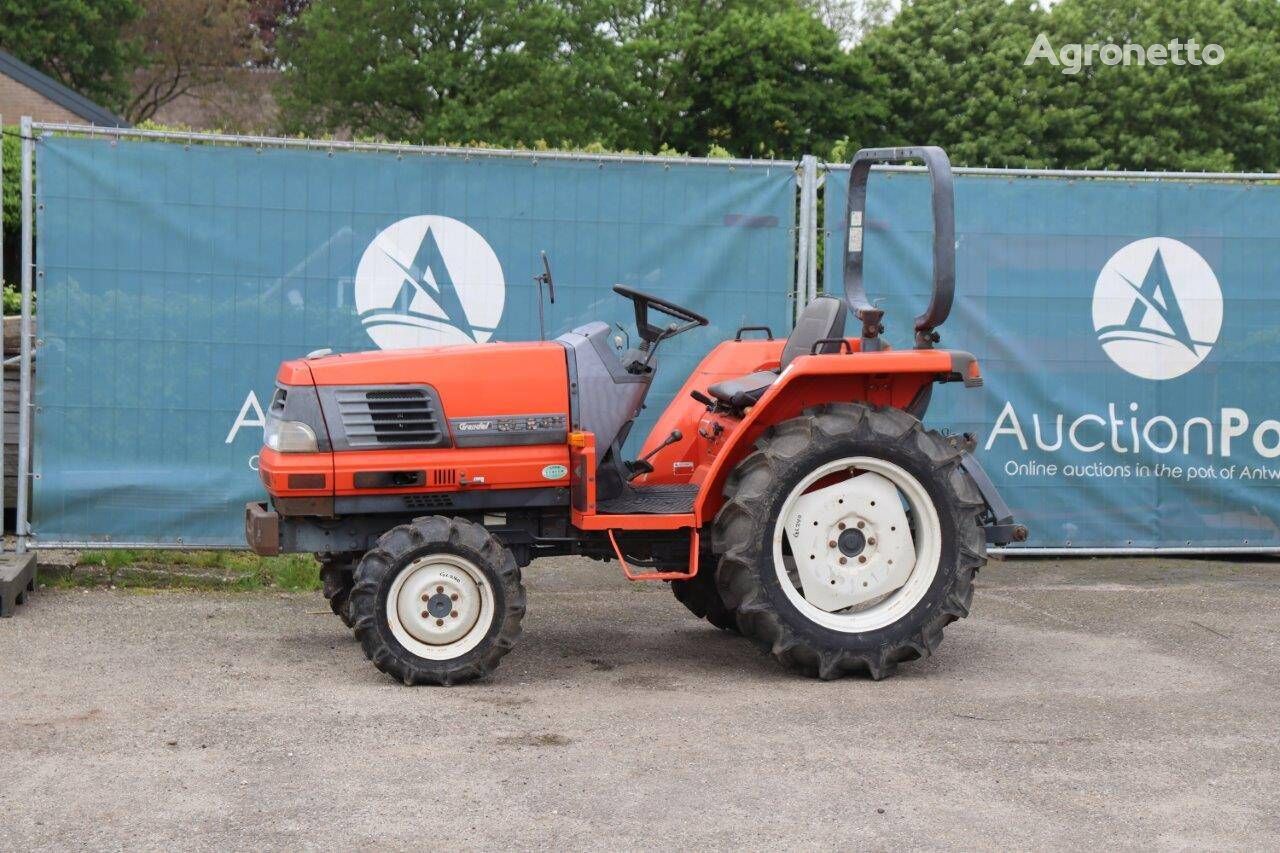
<point>290,436</point>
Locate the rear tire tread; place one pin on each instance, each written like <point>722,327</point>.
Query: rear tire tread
<point>740,525</point>
<point>701,596</point>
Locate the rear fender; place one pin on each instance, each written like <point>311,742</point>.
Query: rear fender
<point>677,462</point>
<point>885,378</point>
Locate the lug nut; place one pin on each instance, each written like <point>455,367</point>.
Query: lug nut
<point>439,589</point>
<point>425,597</point>
<point>840,525</point>
<point>861,524</point>
<point>439,622</point>
<point>425,614</point>
<point>453,597</point>
<point>862,559</point>
<point>454,614</point>
<point>831,544</point>
<point>843,561</point>
<point>871,541</point>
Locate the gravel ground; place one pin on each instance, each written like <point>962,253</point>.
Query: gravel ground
<point>1085,704</point>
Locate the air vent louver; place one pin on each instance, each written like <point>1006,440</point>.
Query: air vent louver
<point>428,501</point>
<point>386,417</point>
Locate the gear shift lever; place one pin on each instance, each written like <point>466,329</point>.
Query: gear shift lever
<point>642,466</point>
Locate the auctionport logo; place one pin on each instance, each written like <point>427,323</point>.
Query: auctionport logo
<point>1074,58</point>
<point>429,280</point>
<point>1157,308</point>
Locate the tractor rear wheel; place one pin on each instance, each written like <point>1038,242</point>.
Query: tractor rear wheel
<point>849,538</point>
<point>337,575</point>
<point>700,595</point>
<point>437,601</point>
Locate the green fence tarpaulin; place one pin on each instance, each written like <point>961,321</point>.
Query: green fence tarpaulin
<point>173,280</point>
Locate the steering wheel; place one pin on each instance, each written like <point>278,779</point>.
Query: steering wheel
<point>650,333</point>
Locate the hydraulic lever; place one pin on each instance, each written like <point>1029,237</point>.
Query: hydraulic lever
<point>642,466</point>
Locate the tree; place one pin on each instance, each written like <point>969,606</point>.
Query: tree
<point>186,45</point>
<point>757,78</point>
<point>11,202</point>
<point>853,19</point>
<point>760,79</point>
<point>269,17</point>
<point>77,42</point>
<point>957,76</point>
<point>506,72</point>
<point>954,76</point>
<point>1181,117</point>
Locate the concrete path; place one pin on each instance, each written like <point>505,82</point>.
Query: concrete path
<point>1085,704</point>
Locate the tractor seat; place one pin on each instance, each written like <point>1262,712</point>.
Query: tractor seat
<point>821,318</point>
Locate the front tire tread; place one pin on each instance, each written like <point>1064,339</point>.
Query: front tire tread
<point>406,542</point>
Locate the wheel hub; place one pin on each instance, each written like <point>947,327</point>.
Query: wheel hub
<point>437,604</point>
<point>851,541</point>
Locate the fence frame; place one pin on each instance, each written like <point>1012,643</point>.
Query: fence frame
<point>810,176</point>
<point>1094,174</point>
<point>32,131</point>
<point>22,524</point>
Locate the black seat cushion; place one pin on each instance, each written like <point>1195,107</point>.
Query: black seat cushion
<point>742,391</point>
<point>821,318</point>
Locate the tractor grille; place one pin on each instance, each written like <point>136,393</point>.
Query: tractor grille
<point>390,417</point>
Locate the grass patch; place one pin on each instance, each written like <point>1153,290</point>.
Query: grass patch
<point>208,570</point>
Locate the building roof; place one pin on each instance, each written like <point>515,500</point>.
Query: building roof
<point>47,87</point>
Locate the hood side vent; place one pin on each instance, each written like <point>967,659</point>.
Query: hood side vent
<point>390,417</point>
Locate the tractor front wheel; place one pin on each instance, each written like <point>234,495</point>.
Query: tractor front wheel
<point>337,575</point>
<point>849,538</point>
<point>437,601</point>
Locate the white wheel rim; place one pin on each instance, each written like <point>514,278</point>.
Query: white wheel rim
<point>899,560</point>
<point>440,606</point>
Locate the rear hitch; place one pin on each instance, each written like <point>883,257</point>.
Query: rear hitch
<point>997,520</point>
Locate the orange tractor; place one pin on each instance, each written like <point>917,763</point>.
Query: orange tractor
<point>789,492</point>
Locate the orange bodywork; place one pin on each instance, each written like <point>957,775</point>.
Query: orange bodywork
<point>713,443</point>
<point>532,378</point>
<point>275,468</point>
<point>472,380</point>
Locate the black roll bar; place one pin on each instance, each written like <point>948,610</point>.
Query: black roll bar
<point>944,241</point>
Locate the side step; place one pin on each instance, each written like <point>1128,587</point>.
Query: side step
<point>17,580</point>
<point>660,576</point>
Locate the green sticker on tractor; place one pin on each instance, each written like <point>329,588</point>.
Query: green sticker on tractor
<point>555,472</point>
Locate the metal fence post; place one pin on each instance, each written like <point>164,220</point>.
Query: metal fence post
<point>802,252</point>
<point>24,370</point>
<point>815,181</point>
<point>805,253</point>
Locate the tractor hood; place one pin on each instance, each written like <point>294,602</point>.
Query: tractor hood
<point>472,380</point>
